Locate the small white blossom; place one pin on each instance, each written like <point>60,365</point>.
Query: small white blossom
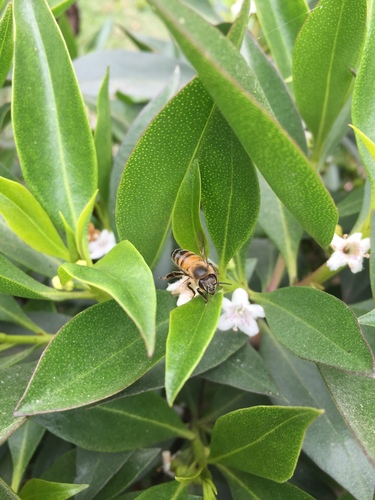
<point>181,289</point>
<point>238,313</point>
<point>101,244</point>
<point>349,250</point>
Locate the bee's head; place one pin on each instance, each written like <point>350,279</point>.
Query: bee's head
<point>209,283</point>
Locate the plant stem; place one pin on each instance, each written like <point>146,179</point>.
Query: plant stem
<point>319,276</point>
<point>25,339</point>
<point>277,274</point>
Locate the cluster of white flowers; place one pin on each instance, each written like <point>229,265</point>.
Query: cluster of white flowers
<point>349,250</point>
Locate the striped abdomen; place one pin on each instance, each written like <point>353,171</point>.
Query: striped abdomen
<point>191,263</point>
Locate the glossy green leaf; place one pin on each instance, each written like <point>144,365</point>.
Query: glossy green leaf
<point>13,383</point>
<point>232,85</point>
<point>124,276</point>
<point>132,422</point>
<point>327,47</point>
<point>14,359</point>
<point>370,146</point>
<point>192,327</point>
<point>22,445</point>
<point>332,337</point>
<point>6,492</point>
<point>96,354</point>
<point>68,34</point>
<point>328,441</point>
<point>52,133</point>
<point>363,105</point>
<point>96,469</point>
<point>38,489</point>
<point>248,487</point>
<point>58,7</point>
<point>29,220</point>
<point>186,222</point>
<point>354,396</point>
<point>103,143</point>
<point>281,22</point>
<point>11,311</point>
<point>81,238</point>
<point>70,239</point>
<point>172,490</point>
<point>63,469</point>
<point>262,440</point>
<point>6,43</point>
<point>244,370</point>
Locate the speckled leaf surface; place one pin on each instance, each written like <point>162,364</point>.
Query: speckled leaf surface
<point>261,440</point>
<point>192,327</point>
<point>52,133</point>
<point>132,422</point>
<point>332,337</point>
<point>237,93</point>
<point>6,43</point>
<point>123,274</point>
<point>6,492</point>
<point>97,354</point>
<point>327,48</point>
<point>11,311</point>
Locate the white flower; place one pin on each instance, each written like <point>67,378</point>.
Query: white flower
<point>180,288</point>
<point>101,244</point>
<point>240,314</point>
<point>349,250</point>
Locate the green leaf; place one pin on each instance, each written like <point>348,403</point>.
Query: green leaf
<point>172,490</point>
<point>192,327</point>
<point>58,7</point>
<point>37,489</point>
<point>262,440</point>
<point>22,445</point>
<point>103,144</point>
<point>11,311</point>
<point>281,22</point>
<point>244,370</point>
<point>52,133</point>
<point>232,85</point>
<point>328,441</point>
<point>29,220</point>
<point>82,229</point>
<point>6,492</point>
<point>332,337</point>
<point>14,359</point>
<point>186,222</point>
<point>132,422</point>
<point>354,396</point>
<point>248,487</point>
<point>13,383</point>
<point>370,146</point>
<point>96,354</point>
<point>68,34</point>
<point>327,47</point>
<point>6,43</point>
<point>123,275</point>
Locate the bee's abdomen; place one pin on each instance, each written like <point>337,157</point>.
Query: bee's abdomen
<point>186,260</point>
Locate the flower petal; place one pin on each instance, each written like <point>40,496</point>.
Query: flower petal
<point>227,321</point>
<point>240,297</point>
<point>183,298</point>
<point>338,259</point>
<point>248,325</point>
<point>256,311</point>
<point>365,245</point>
<point>355,263</point>
<point>337,243</point>
<point>354,238</point>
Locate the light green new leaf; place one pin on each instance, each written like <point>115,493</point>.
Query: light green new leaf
<point>192,327</point>
<point>262,440</point>
<point>332,337</point>
<point>81,238</point>
<point>52,133</point>
<point>232,85</point>
<point>96,354</point>
<point>354,396</point>
<point>186,222</point>
<point>6,43</point>
<point>131,422</point>
<point>326,50</point>
<point>370,146</point>
<point>28,219</point>
<point>281,22</point>
<point>11,311</point>
<point>22,445</point>
<point>124,276</point>
<point>37,489</point>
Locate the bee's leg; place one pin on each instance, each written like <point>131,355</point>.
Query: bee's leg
<point>201,292</point>
<point>173,274</point>
<point>190,288</point>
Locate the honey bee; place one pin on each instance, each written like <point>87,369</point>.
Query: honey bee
<point>198,271</point>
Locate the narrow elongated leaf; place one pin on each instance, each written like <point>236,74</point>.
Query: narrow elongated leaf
<point>354,396</point>
<point>6,43</point>
<point>22,445</point>
<point>281,22</point>
<point>81,239</point>
<point>38,488</point>
<point>125,277</point>
<point>106,356</point>
<point>231,83</point>
<point>328,441</point>
<point>12,312</point>
<point>192,328</point>
<point>322,60</point>
<point>29,220</point>
<point>51,129</point>
<point>370,146</point>
<point>248,487</point>
<point>133,422</point>
<point>262,440</point>
<point>332,337</point>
